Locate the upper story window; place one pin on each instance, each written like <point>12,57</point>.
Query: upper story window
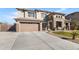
<point>32,14</point>
<point>43,15</point>
<point>58,16</point>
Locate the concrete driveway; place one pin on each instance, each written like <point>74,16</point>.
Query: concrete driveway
<point>34,41</point>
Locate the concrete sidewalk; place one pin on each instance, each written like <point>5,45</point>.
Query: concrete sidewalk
<point>34,41</point>
<point>7,40</point>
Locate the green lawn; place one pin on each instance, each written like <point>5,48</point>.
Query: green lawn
<point>68,34</point>
<point>77,31</point>
<point>64,33</point>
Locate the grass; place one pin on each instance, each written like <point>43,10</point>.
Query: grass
<point>64,33</point>
<point>67,35</point>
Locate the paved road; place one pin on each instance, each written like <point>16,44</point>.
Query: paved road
<point>34,41</point>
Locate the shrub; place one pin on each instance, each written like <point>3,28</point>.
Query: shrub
<point>74,34</point>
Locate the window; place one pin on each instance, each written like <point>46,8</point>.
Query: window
<point>58,16</point>
<point>32,14</point>
<point>43,15</point>
<point>58,24</point>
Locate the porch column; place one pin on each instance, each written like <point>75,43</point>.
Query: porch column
<point>48,26</point>
<point>40,26</point>
<point>17,27</point>
<point>54,25</point>
<point>69,25</point>
<point>63,25</point>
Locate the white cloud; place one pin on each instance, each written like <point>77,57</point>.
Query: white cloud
<point>62,9</point>
<point>9,18</point>
<point>13,15</point>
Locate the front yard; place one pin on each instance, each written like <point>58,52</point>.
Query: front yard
<point>67,35</point>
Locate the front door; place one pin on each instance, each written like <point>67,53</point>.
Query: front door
<point>58,25</point>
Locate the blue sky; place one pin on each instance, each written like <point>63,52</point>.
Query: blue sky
<point>7,14</point>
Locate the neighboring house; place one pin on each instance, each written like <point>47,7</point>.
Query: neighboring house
<point>4,27</point>
<point>37,20</point>
<point>74,17</point>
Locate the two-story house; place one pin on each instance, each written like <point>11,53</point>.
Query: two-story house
<point>37,20</point>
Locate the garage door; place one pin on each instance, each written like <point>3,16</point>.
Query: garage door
<point>29,27</point>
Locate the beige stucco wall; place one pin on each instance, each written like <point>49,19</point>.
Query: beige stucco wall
<point>20,14</point>
<point>41,26</point>
<point>26,16</point>
<point>63,17</point>
<point>39,17</point>
<point>17,26</point>
<point>59,19</point>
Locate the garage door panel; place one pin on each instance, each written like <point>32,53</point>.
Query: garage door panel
<point>28,27</point>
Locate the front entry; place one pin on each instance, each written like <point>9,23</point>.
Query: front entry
<point>58,25</point>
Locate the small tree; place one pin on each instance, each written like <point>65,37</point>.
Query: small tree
<point>74,33</point>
